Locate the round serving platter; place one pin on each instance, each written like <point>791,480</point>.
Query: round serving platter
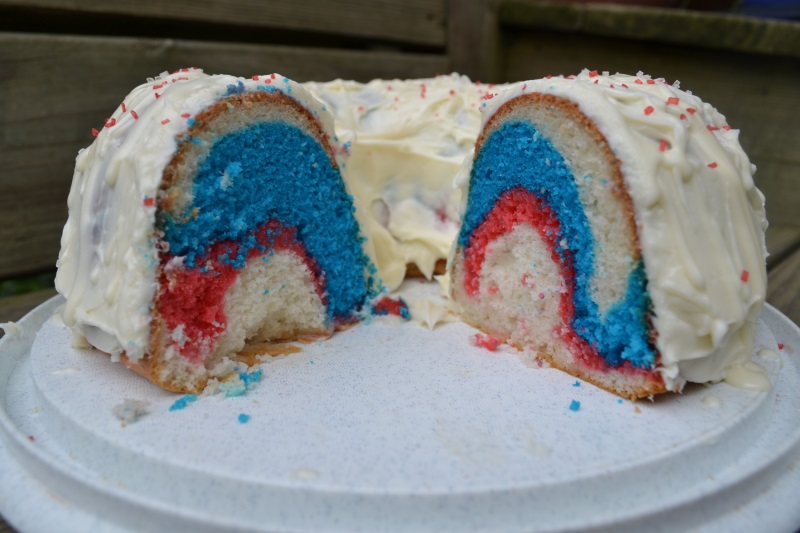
<point>390,426</point>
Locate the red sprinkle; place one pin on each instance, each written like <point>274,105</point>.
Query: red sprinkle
<point>123,107</point>
<point>691,110</point>
<point>158,96</point>
<point>592,74</point>
<point>780,346</point>
<point>712,128</point>
<point>651,82</point>
<point>95,133</point>
<point>110,122</point>
<point>624,85</point>
<point>186,115</point>
<point>31,438</point>
<point>745,275</point>
<point>712,165</point>
<point>662,146</point>
<point>648,110</point>
<point>134,114</point>
<point>673,101</point>
<point>452,92</point>
<point>596,82</point>
<point>254,78</point>
<point>165,121</point>
<point>486,341</point>
<point>149,202</point>
<point>548,76</point>
<point>272,76</point>
<point>683,117</point>
<point>639,81</point>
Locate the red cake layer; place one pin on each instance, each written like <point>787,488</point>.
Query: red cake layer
<point>195,297</point>
<point>518,206</point>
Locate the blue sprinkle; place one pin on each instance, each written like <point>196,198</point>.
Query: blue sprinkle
<point>235,89</point>
<point>575,405</point>
<point>182,402</point>
<point>576,384</point>
<point>243,418</point>
<point>311,362</point>
<point>619,401</point>
<point>190,122</point>
<point>266,291</point>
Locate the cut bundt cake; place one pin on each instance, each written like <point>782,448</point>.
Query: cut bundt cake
<point>208,215</point>
<point>407,141</point>
<point>611,225</point>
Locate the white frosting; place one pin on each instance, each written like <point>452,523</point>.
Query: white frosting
<point>107,265</point>
<point>700,218</point>
<point>408,140</point>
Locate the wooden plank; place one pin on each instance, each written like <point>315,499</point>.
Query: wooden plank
<point>410,21</point>
<point>758,94</point>
<point>4,527</point>
<point>56,88</point>
<point>672,26</point>
<point>472,42</point>
<point>781,243</point>
<point>12,308</point>
<point>783,290</point>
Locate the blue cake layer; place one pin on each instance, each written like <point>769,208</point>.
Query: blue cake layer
<point>517,155</point>
<point>275,171</point>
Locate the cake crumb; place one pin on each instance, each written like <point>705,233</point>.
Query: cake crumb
<point>130,411</point>
<point>182,402</point>
<point>238,384</point>
<point>391,306</point>
<point>575,405</point>
<point>11,329</point>
<point>489,342</point>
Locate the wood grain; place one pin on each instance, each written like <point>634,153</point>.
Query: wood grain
<point>472,40</point>
<point>783,290</point>
<point>758,94</point>
<point>412,21</point>
<point>781,243</point>
<point>722,31</point>
<point>55,89</point>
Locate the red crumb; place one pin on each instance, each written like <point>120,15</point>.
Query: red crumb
<point>745,276</point>
<point>391,306</point>
<point>524,280</point>
<point>486,341</point>
<point>780,346</point>
<point>648,110</point>
<point>441,214</point>
<point>149,202</point>
<point>712,165</point>
<point>492,290</point>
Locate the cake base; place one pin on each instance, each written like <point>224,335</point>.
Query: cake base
<point>389,426</point>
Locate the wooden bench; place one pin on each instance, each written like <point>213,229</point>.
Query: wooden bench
<point>64,64</point>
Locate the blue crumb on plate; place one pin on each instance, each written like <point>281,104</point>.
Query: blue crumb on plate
<point>575,405</point>
<point>576,384</point>
<point>243,418</point>
<point>182,402</point>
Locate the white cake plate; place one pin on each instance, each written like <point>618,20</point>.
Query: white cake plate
<point>391,427</point>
